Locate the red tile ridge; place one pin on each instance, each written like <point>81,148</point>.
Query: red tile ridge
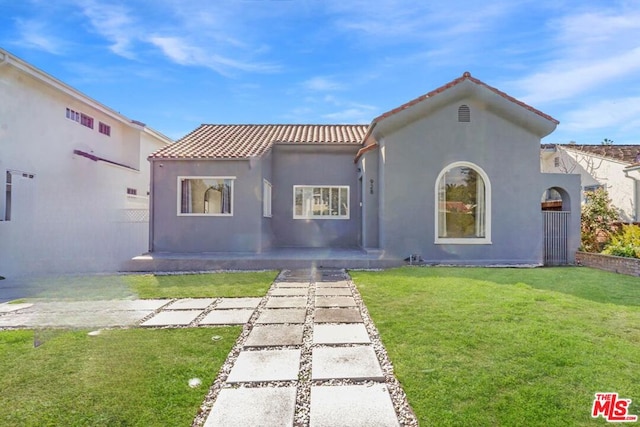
<point>465,76</point>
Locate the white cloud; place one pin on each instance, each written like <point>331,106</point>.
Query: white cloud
<point>566,79</point>
<point>322,84</point>
<point>622,113</point>
<point>591,51</point>
<point>182,52</point>
<point>114,23</point>
<point>35,34</point>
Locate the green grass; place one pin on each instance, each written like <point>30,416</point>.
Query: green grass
<point>125,286</point>
<point>129,377</point>
<point>254,284</point>
<point>510,347</point>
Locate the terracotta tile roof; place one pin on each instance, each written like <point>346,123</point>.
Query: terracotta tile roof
<point>623,153</point>
<point>465,76</point>
<point>243,141</point>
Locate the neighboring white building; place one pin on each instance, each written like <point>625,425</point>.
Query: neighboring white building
<point>613,167</point>
<point>73,174</point>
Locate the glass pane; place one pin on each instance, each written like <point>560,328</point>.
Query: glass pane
<point>462,212</point>
<point>206,196</point>
<point>344,201</point>
<point>298,202</point>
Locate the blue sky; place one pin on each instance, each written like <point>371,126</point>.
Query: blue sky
<point>175,64</point>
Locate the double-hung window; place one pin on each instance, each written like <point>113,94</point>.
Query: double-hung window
<point>209,195</point>
<point>328,202</point>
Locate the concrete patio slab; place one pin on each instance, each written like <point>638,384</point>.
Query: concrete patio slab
<point>95,306</point>
<point>265,365</point>
<point>8,308</point>
<point>98,319</point>
<point>337,315</point>
<point>333,292</point>
<point>354,333</point>
<point>191,304</point>
<point>238,303</point>
<point>352,405</point>
<point>298,285</point>
<point>243,407</point>
<point>286,302</point>
<point>273,335</point>
<point>227,317</point>
<point>336,284</point>
<point>345,362</point>
<point>284,315</point>
<point>286,292</point>
<point>324,301</point>
<point>171,318</point>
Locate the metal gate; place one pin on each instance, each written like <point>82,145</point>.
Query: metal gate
<point>556,235</point>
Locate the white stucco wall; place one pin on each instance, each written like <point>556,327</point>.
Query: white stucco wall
<point>596,170</point>
<point>72,215</point>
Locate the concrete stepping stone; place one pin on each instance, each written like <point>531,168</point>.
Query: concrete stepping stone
<point>190,304</point>
<point>286,302</point>
<point>324,301</point>
<point>99,319</point>
<point>173,317</point>
<point>238,303</point>
<point>286,292</point>
<point>8,308</point>
<point>334,292</point>
<point>284,315</point>
<point>354,333</point>
<point>265,365</point>
<point>227,317</point>
<point>242,407</point>
<point>337,315</point>
<point>298,285</point>
<point>273,335</point>
<point>345,363</point>
<point>352,405</point>
<point>337,284</point>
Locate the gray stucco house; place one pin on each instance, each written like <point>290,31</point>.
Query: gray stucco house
<point>452,177</point>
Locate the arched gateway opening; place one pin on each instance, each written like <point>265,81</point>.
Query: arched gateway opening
<point>556,215</point>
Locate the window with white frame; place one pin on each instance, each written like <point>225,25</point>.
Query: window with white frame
<point>208,195</point>
<point>463,205</point>
<point>266,198</point>
<point>329,202</point>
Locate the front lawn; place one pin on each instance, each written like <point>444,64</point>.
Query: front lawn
<point>227,284</point>
<point>127,286</point>
<point>511,347</point>
<point>134,377</point>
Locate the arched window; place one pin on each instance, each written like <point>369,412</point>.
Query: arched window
<point>463,205</point>
<point>464,114</point>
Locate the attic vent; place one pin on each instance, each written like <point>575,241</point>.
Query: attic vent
<point>464,114</point>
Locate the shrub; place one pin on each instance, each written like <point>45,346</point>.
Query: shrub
<point>626,243</point>
<point>597,217</point>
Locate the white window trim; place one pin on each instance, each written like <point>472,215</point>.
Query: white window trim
<point>267,190</point>
<point>329,217</point>
<point>487,188</point>
<point>179,195</point>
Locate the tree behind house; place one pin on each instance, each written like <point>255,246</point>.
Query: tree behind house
<point>597,218</point>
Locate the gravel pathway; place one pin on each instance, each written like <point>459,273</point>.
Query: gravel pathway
<point>339,288</point>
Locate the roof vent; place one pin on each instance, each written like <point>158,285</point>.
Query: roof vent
<point>464,114</point>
